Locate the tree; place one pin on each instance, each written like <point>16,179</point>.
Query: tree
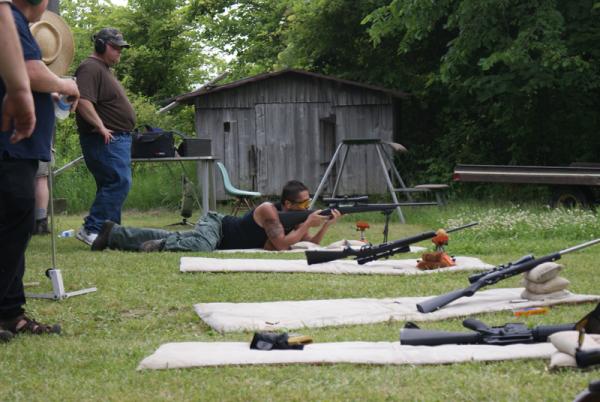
<point>251,31</point>
<point>520,76</point>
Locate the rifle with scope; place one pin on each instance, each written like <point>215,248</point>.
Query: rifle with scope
<point>370,253</point>
<point>495,275</point>
<point>289,219</point>
<point>507,334</point>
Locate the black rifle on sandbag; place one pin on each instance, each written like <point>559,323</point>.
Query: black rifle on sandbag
<point>507,334</point>
<point>495,275</point>
<point>370,253</point>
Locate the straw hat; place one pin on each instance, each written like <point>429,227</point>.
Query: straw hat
<point>56,42</point>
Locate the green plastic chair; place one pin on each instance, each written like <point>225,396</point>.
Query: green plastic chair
<point>243,198</point>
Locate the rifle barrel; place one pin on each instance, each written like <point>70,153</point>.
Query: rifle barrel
<point>468,225</point>
<point>579,246</point>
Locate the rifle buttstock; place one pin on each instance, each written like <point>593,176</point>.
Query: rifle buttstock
<point>438,302</point>
<point>321,256</point>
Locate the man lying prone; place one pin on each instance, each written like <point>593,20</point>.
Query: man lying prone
<point>259,228</point>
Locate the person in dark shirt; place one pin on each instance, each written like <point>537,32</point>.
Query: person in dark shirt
<point>17,105</point>
<point>259,228</point>
<point>105,119</point>
<point>18,165</point>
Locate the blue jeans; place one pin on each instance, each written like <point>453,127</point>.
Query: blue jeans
<point>110,164</point>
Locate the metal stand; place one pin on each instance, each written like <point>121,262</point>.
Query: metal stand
<point>384,158</point>
<point>188,196</point>
<point>386,225</point>
<point>58,287</point>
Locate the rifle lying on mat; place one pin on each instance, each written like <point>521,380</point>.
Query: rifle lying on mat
<point>481,334</point>
<point>495,275</point>
<point>507,334</point>
<point>370,253</point>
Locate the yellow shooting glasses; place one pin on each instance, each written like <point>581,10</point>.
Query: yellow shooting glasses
<point>302,204</point>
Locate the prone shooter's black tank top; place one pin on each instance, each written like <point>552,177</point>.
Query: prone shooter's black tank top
<point>241,233</point>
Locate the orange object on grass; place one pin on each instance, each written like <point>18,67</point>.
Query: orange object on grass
<point>530,311</point>
<point>435,260</point>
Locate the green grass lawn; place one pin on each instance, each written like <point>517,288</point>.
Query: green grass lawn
<point>143,301</point>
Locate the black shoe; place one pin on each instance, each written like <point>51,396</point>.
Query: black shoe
<point>41,227</point>
<point>101,242</point>
<point>152,245</point>
<point>5,336</point>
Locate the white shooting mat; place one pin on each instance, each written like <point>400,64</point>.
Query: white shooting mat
<point>200,354</point>
<point>232,317</point>
<point>379,267</point>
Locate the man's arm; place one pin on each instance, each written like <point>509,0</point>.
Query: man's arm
<point>18,102</point>
<point>44,80</point>
<point>335,214</point>
<point>87,110</point>
<point>267,217</point>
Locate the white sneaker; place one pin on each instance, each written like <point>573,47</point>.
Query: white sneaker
<point>85,236</point>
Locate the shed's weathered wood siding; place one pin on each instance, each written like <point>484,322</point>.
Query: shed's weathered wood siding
<point>268,132</point>
<point>292,88</point>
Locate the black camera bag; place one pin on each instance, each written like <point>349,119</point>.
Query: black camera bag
<point>152,143</point>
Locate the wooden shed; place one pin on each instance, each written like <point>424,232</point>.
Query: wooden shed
<point>273,127</point>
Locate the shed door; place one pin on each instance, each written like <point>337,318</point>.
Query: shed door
<point>288,144</point>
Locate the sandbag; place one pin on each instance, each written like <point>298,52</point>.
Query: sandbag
<point>543,272</point>
<point>553,285</point>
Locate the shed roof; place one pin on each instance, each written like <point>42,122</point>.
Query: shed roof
<point>188,98</point>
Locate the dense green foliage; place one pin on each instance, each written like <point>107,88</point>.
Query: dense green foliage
<point>520,79</point>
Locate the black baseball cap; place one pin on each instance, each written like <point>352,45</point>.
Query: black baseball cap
<point>111,35</point>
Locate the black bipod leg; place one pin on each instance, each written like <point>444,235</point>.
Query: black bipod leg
<point>386,225</point>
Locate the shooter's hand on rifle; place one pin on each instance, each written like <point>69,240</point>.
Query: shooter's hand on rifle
<point>335,215</point>
<point>316,219</point>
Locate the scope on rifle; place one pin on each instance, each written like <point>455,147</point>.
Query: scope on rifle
<point>346,199</point>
